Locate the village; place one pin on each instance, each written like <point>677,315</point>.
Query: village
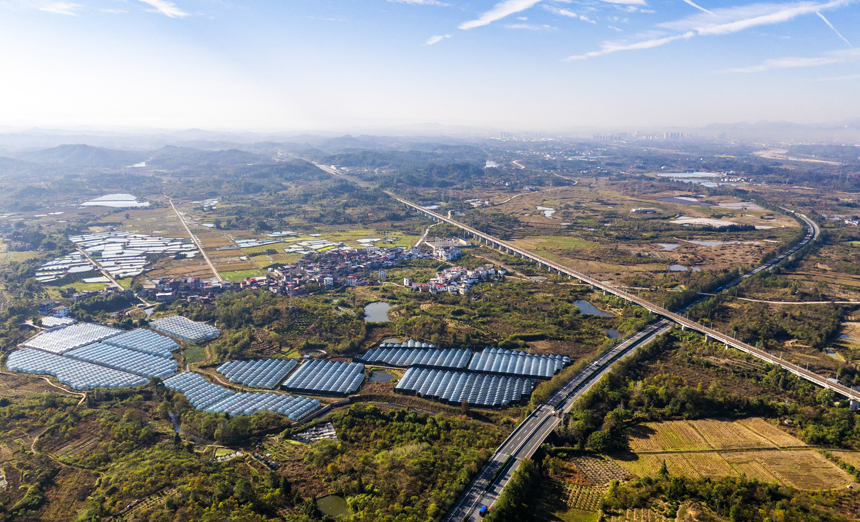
<point>336,268</point>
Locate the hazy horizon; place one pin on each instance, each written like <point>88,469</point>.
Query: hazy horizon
<point>512,64</point>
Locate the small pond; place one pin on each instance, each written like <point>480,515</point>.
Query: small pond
<point>682,268</point>
<point>668,246</point>
<point>589,309</point>
<point>333,506</point>
<point>381,377</point>
<point>377,312</point>
<point>686,201</point>
<point>547,211</point>
<point>708,243</point>
<point>613,334</point>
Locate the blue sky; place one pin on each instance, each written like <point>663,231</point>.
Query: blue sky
<point>346,64</point>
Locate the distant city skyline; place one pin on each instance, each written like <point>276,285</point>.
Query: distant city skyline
<point>516,65</point>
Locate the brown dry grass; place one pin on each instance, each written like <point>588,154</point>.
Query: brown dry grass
<point>725,434</point>
<point>667,436</point>
<point>849,457</point>
<point>804,469</point>
<point>771,433</point>
<point>746,463</point>
<point>710,465</point>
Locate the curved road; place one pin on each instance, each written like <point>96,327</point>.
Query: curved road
<point>530,434</point>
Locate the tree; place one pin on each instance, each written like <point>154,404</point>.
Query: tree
<point>243,491</point>
<point>825,397</point>
<point>664,471</point>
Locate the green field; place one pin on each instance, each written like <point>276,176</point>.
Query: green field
<point>81,287</point>
<point>240,274</point>
<point>195,354</point>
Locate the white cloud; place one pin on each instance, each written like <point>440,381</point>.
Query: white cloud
<point>62,8</point>
<point>114,11</point>
<point>733,19</point>
<point>846,55</point>
<point>499,11</point>
<point>166,8</point>
<point>826,21</point>
<point>531,27</point>
<point>700,8</point>
<point>721,22</point>
<point>614,47</point>
<point>436,39</point>
<point>625,2</point>
<point>418,2</point>
<point>568,13</point>
<point>615,28</point>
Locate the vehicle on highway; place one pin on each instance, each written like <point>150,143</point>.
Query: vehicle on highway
<point>483,511</point>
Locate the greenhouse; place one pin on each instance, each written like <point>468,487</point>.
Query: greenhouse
<point>429,357</point>
<point>263,373</point>
<point>185,329</point>
<point>79,375</point>
<point>145,341</point>
<point>124,360</point>
<point>497,360</point>
<point>210,397</point>
<point>490,391</point>
<point>70,337</point>
<point>411,343</point>
<point>326,378</point>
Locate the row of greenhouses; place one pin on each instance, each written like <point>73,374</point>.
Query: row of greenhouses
<point>262,373</point>
<point>214,398</point>
<point>454,388</point>
<point>145,341</point>
<point>124,360</point>
<point>185,329</point>
<point>77,374</point>
<point>319,377</point>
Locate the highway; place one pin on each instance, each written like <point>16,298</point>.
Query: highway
<point>710,334</point>
<point>525,440</point>
<point>527,437</point>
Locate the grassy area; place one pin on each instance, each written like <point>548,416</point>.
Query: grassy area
<point>195,354</point>
<point>240,274</point>
<point>554,242</point>
<point>22,256</point>
<point>290,353</point>
<point>81,287</point>
<point>125,283</point>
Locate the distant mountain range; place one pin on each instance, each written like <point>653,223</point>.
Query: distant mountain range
<point>81,156</point>
<point>168,157</point>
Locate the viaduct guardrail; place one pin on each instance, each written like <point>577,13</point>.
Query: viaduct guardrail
<point>709,333</point>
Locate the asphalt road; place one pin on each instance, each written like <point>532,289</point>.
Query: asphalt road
<point>533,431</point>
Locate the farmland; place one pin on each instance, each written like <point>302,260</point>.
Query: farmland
<point>712,448</point>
